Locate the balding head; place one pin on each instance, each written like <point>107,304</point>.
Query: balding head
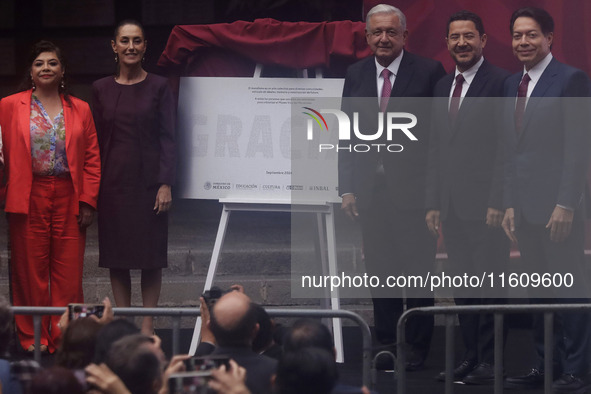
<point>233,320</point>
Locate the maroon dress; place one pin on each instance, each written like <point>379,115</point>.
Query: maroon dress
<point>135,128</point>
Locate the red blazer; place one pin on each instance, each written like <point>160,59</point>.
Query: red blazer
<point>82,150</point>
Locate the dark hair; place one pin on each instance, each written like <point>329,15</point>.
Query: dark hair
<point>264,337</point>
<point>239,333</point>
<point>78,343</point>
<point>466,16</point>
<point>38,49</point>
<point>541,16</point>
<point>128,22</point>
<point>309,370</point>
<point>6,328</point>
<point>109,334</point>
<point>136,365</point>
<point>55,380</point>
<point>308,333</point>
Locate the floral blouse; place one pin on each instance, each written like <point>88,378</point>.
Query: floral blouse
<point>48,141</point>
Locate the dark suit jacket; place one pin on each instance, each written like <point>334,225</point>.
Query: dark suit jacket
<point>547,162</point>
<point>405,171</point>
<point>259,368</point>
<point>465,158</point>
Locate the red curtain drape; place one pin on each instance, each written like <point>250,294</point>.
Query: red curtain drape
<point>233,49</point>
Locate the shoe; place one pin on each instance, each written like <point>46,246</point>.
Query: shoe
<point>415,365</point>
<point>568,383</point>
<point>534,379</point>
<point>459,372</point>
<point>385,362</point>
<point>482,374</point>
<point>415,360</point>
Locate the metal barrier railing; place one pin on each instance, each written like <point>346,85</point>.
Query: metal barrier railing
<point>499,311</point>
<point>177,313</point>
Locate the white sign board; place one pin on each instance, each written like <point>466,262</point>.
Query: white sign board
<point>235,139</point>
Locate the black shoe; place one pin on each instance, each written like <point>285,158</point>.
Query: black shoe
<point>568,383</point>
<point>460,372</point>
<point>482,374</point>
<point>415,364</point>
<point>534,379</point>
<point>415,359</point>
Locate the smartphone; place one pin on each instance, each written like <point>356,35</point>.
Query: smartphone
<point>76,311</point>
<point>206,363</point>
<point>189,382</point>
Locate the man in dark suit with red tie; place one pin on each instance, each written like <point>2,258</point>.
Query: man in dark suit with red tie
<point>465,182</point>
<point>384,191</point>
<point>548,137</point>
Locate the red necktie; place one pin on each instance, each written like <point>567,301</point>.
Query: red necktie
<point>454,105</point>
<point>386,89</point>
<point>521,101</point>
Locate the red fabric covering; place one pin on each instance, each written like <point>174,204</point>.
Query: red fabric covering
<point>234,49</point>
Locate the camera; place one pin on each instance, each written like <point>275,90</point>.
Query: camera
<point>189,382</point>
<point>76,311</point>
<point>212,295</point>
<point>198,372</point>
<point>206,363</point>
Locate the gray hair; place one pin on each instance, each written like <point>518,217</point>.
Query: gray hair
<point>386,9</point>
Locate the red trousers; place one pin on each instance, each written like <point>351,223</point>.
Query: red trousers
<point>47,258</point>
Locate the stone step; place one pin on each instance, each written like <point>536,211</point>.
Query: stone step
<point>259,252</point>
<point>256,243</point>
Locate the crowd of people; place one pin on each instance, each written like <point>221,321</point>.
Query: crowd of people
<point>112,356</point>
<point>482,175</point>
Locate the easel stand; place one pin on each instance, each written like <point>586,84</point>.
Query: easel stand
<point>326,231</point>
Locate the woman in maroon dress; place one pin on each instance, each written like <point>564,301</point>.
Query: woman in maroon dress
<point>134,114</point>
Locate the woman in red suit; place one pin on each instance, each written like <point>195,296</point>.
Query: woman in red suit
<point>52,164</point>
